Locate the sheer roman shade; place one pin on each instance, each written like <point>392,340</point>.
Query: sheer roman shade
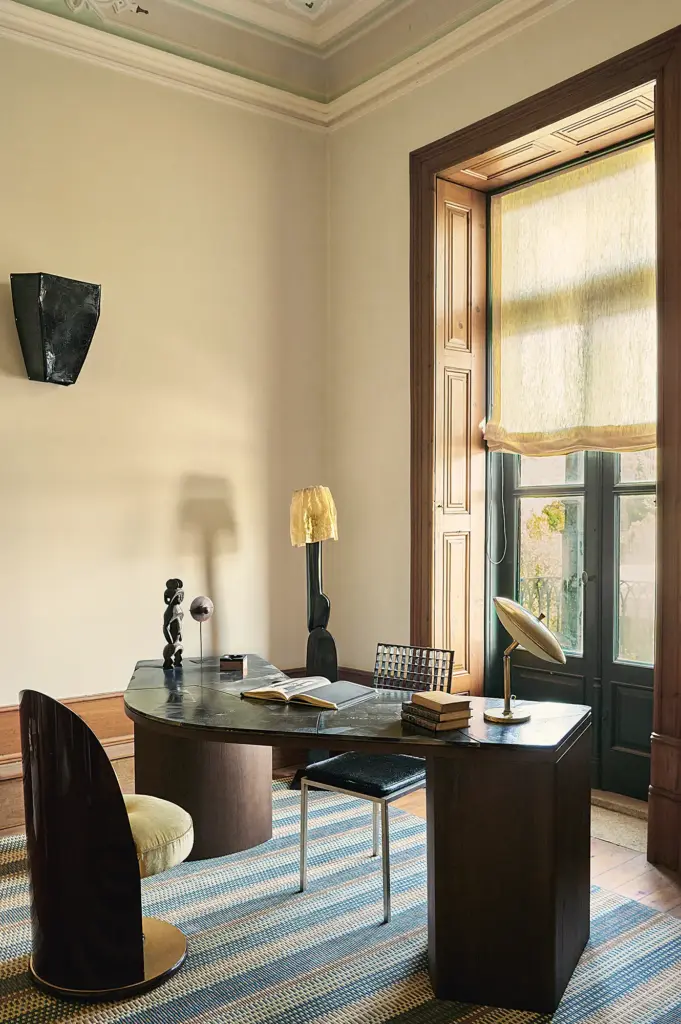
<point>574,331</point>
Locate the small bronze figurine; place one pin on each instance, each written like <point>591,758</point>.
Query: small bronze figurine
<point>172,624</point>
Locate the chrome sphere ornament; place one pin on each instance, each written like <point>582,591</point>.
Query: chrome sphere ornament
<point>201,609</point>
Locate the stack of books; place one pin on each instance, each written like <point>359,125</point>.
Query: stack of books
<point>437,711</point>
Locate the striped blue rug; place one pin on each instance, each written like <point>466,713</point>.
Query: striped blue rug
<point>262,953</point>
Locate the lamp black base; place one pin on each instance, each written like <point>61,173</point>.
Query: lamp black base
<point>322,658</point>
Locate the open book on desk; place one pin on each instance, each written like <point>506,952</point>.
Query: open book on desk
<point>315,690</point>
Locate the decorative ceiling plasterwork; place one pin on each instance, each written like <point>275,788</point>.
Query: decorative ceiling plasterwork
<point>102,7</point>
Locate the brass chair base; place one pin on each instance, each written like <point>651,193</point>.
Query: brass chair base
<point>165,950</point>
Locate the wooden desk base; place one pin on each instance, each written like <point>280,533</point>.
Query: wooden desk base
<point>508,875</point>
<point>226,787</point>
<point>507,830</point>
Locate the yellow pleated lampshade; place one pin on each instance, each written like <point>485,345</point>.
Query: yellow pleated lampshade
<point>313,516</point>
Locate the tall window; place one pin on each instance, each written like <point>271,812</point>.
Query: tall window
<point>574,364</point>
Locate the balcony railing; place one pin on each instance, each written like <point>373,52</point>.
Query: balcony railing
<point>544,595</point>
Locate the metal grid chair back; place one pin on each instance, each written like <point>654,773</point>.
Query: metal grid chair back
<point>413,668</point>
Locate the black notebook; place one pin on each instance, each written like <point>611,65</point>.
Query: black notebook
<point>315,690</point>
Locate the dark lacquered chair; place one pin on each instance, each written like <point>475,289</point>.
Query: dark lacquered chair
<point>87,847</point>
<point>380,778</point>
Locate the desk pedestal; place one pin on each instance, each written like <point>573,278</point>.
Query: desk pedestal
<point>226,787</point>
<point>508,874</point>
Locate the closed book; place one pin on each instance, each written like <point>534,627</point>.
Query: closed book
<point>436,716</point>
<point>426,723</point>
<point>438,701</point>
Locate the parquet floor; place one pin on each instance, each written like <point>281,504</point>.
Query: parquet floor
<point>612,867</point>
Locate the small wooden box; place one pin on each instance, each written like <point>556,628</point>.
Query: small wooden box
<point>234,663</point>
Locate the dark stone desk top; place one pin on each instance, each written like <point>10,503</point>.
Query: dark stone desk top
<point>207,699</point>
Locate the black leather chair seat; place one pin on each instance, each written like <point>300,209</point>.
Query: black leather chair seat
<point>378,775</point>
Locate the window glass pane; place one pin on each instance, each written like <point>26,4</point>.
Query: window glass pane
<point>636,466</point>
<point>636,583</point>
<point>552,469</point>
<point>551,564</point>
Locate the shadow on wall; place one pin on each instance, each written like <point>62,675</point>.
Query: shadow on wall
<point>206,512</point>
<point>11,359</point>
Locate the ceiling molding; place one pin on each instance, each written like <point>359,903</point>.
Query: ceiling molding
<point>105,49</point>
<point>288,27</point>
<point>480,33</point>
<point>338,24</point>
<point>51,32</point>
<point>315,30</point>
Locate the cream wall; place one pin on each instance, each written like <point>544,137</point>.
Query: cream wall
<point>233,361</point>
<point>196,407</point>
<point>368,352</point>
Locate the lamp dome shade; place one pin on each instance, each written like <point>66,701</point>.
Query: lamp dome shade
<point>526,629</point>
<point>313,516</point>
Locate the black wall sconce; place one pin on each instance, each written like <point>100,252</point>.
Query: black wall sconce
<point>56,319</point>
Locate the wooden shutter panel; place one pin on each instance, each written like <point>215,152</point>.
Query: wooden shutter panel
<point>460,358</point>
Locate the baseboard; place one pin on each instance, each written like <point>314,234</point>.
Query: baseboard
<point>103,712</point>
<point>119,750</point>
<point>357,675</point>
<point>664,802</point>
<point>354,675</point>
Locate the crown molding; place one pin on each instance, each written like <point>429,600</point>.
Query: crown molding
<point>315,30</point>
<point>480,33</point>
<point>287,27</point>
<point>61,35</point>
<point>345,21</point>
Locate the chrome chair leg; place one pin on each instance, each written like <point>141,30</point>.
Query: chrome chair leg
<point>303,834</point>
<point>375,817</point>
<point>385,842</point>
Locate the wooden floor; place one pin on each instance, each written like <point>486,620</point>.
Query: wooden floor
<point>612,867</point>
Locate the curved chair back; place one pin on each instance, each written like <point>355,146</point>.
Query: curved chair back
<point>83,869</point>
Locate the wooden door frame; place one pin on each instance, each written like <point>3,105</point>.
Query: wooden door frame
<point>659,61</point>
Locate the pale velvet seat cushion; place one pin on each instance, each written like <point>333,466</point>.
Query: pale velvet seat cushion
<point>163,832</point>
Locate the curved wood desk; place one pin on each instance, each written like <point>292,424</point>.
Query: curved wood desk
<point>508,812</point>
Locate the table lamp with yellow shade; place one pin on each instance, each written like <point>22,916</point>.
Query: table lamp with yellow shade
<point>314,520</point>
<point>529,632</point>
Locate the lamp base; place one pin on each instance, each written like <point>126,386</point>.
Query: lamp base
<point>512,717</point>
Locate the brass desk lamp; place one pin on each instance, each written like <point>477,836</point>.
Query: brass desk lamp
<point>530,632</point>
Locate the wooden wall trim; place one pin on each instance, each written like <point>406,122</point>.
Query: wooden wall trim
<point>670,741</point>
<point>664,822</point>
<point>422,361</point>
<point>354,675</point>
<point>658,61</point>
<point>103,712</point>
